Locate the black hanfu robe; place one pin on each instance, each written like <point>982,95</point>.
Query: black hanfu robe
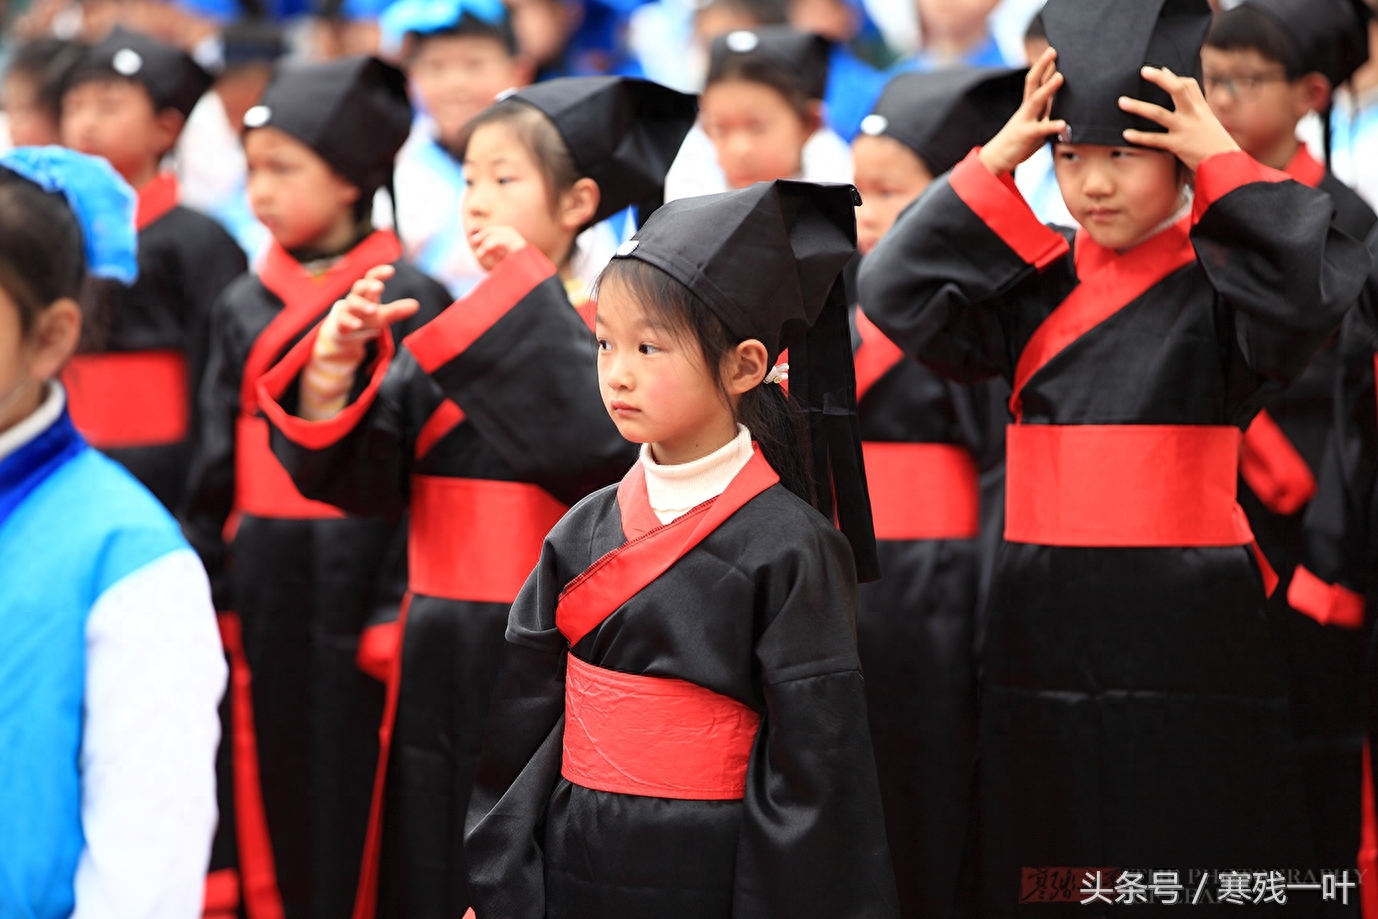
<point>929,444</point>
<point>1134,711</point>
<point>299,582</point>
<point>132,390</point>
<point>699,682</point>
<point>487,424</point>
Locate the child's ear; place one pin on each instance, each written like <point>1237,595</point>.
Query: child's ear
<point>54,338</point>
<point>579,204</point>
<point>1316,90</point>
<point>167,128</point>
<point>523,71</point>
<point>813,117</point>
<point>750,364</point>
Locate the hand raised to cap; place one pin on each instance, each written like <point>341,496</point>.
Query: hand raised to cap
<point>1030,127</point>
<point>1194,134</point>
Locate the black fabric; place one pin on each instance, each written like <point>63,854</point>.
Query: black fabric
<point>941,115</point>
<point>171,77</point>
<point>304,590</point>
<point>1102,45</point>
<point>353,112</point>
<point>186,260</point>
<point>1133,709</point>
<point>765,621</point>
<point>1331,36</point>
<point>800,57</point>
<point>622,132</point>
<point>529,390</point>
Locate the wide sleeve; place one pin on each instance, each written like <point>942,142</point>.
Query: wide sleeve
<point>211,259</point>
<point>154,677</point>
<point>966,274</point>
<point>813,837</point>
<point>1269,247</point>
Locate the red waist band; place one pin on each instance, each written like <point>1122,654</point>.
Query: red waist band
<point>129,398</point>
<point>262,487</point>
<point>654,736</point>
<point>922,491</point>
<point>476,539</point>
<point>1124,485</point>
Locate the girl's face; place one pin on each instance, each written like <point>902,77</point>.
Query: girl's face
<point>888,175</point>
<point>30,123</point>
<point>1118,194</point>
<point>657,387</point>
<point>28,360</point>
<point>457,76</point>
<point>758,135</point>
<point>295,194</point>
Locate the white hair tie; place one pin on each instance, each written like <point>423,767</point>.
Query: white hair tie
<point>778,374</point>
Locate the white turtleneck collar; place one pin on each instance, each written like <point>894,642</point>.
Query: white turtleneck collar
<point>676,490</point>
<point>44,417</point>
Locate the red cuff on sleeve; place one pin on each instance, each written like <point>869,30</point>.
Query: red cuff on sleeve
<point>998,203</point>
<point>378,645</point>
<point>1328,604</point>
<point>448,335</point>
<point>1221,174</point>
<point>1274,470</point>
<point>317,435</point>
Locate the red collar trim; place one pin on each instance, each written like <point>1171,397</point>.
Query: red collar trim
<point>157,198</point>
<point>1305,168</point>
<point>634,504</point>
<point>875,357</point>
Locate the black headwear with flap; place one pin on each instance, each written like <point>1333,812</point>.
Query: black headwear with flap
<point>801,56</point>
<point>352,112</point>
<point>169,75</point>
<point>943,114</point>
<point>623,133</point>
<point>1101,47</point>
<point>1331,36</point>
<point>767,260</point>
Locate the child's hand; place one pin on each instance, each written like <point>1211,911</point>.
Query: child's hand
<point>1030,127</point>
<point>361,315</point>
<point>1193,135</point>
<point>493,244</point>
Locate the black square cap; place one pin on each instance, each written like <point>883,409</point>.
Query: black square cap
<point>941,115</point>
<point>802,57</point>
<point>1101,47</point>
<point>767,260</point>
<point>353,112</point>
<point>172,79</point>
<point>623,132</point>
<point>1331,36</point>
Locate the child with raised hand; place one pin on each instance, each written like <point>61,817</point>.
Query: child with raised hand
<point>113,671</point>
<point>679,723</point>
<point>306,581</point>
<point>1266,65</point>
<point>1128,650</point>
<point>930,446</point>
<point>458,55</point>
<point>486,425</point>
<point>133,389</point>
<point>761,116</point>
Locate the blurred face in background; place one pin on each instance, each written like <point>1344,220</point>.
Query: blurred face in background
<point>835,20</point>
<point>889,176</point>
<point>30,122</point>
<point>758,135</point>
<point>115,119</point>
<point>457,76</point>
<point>543,27</point>
<point>953,27</point>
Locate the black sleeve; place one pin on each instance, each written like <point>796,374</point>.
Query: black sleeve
<point>211,259</point>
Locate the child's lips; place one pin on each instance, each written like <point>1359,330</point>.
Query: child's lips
<point>1101,214</point>
<point>624,409</point>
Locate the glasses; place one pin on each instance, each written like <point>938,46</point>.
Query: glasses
<point>1244,86</point>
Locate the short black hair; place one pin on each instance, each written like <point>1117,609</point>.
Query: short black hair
<point>42,259</point>
<point>1246,29</point>
<point>468,26</point>
<point>46,61</point>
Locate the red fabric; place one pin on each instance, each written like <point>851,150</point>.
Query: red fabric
<point>654,736</point>
<point>448,335</point>
<point>442,421</point>
<point>378,645</point>
<point>222,894</point>
<point>1328,604</point>
<point>156,199</point>
<point>258,876</point>
<point>1368,843</point>
<point>589,313</point>
<point>922,491</point>
<point>476,539</point>
<point>1305,168</point>
<point>634,504</point>
<point>998,203</point>
<point>876,356</point>
<point>1221,174</point>
<point>1110,283</point>
<point>263,487</point>
<point>621,574</point>
<point>366,896</point>
<point>1274,470</point>
<point>130,398</point>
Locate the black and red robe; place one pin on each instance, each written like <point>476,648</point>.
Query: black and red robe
<point>486,424</point>
<point>132,390</point>
<point>929,444</point>
<point>302,581</point>
<point>1134,712</point>
<point>679,725</point>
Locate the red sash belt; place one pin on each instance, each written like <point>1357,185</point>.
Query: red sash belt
<point>654,736</point>
<point>130,398</point>
<point>263,487</point>
<point>922,491</point>
<point>476,539</point>
<point>1124,485</point>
